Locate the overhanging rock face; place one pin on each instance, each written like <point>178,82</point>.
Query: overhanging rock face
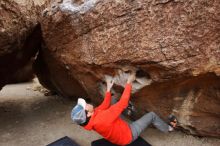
<point>175,44</point>
<point>20,39</point>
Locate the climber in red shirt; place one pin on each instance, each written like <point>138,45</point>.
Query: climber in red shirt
<point>105,119</point>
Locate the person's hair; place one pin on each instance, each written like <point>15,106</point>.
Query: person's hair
<point>87,119</point>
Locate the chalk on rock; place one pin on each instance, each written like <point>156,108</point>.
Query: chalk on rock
<point>121,78</point>
<point>140,83</point>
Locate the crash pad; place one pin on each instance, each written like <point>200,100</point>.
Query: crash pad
<point>64,141</point>
<point>102,142</point>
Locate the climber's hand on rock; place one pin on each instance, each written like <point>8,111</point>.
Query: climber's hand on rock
<point>109,81</point>
<point>131,77</point>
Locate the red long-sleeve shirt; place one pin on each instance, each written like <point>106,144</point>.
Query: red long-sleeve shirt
<point>107,122</point>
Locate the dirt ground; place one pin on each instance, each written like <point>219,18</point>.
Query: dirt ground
<point>28,118</point>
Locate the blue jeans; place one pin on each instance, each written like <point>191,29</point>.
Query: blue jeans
<point>141,124</point>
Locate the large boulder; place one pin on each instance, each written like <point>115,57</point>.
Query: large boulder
<point>23,74</point>
<point>174,44</point>
<point>20,38</point>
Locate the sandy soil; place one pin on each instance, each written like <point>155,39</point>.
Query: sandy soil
<point>28,118</point>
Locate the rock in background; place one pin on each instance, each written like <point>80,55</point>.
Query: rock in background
<point>20,38</point>
<point>174,43</point>
<point>23,74</point>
